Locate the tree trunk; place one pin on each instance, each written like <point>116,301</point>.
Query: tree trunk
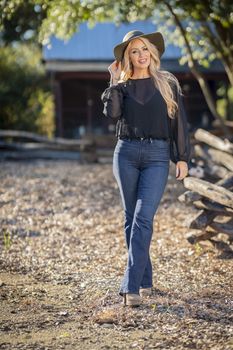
<point>198,75</point>
<point>229,71</point>
<point>219,44</point>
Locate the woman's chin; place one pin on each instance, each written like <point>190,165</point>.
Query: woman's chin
<point>142,66</point>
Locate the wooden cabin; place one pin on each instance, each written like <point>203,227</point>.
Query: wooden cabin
<point>78,70</point>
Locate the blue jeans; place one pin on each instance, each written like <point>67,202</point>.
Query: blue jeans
<point>141,170</point>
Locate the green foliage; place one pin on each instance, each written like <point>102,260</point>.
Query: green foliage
<point>225,101</point>
<point>208,24</point>
<point>62,19</point>
<point>20,20</point>
<point>208,27</point>
<point>25,99</point>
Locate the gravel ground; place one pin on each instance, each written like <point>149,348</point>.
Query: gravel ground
<point>63,255</point>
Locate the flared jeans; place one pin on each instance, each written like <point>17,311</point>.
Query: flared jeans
<point>141,170</point>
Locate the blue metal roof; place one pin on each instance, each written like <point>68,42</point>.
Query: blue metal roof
<point>96,44</point>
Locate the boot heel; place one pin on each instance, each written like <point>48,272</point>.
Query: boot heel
<point>124,299</point>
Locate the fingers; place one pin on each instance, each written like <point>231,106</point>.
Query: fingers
<point>119,64</point>
<point>181,171</point>
<point>115,70</point>
<point>115,66</point>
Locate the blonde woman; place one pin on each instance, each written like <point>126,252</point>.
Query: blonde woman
<point>151,129</point>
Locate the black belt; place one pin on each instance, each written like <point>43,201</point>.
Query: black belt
<point>142,138</point>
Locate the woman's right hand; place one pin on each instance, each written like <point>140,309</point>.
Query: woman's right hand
<point>115,71</point>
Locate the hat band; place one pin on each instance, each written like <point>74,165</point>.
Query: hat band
<point>135,34</point>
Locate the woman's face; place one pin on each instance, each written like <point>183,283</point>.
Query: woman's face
<point>139,54</point>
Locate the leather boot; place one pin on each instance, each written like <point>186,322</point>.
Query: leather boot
<point>131,300</point>
<point>145,292</point>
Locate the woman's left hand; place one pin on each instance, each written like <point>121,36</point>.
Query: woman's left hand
<point>181,170</point>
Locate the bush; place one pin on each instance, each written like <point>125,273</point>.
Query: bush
<point>25,98</point>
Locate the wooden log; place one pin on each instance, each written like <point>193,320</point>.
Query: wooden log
<point>30,146</point>
<point>226,228</point>
<point>44,148</point>
<point>215,171</point>
<point>213,230</point>
<point>202,220</point>
<point>194,238</point>
<point>40,154</point>
<point>211,169</point>
<point>223,247</point>
<point>39,138</point>
<point>201,152</point>
<point>208,190</point>
<point>212,156</point>
<point>226,182</point>
<point>214,141</point>
<point>215,207</point>
<point>221,158</point>
<point>206,216</point>
<point>189,197</point>
<point>217,131</point>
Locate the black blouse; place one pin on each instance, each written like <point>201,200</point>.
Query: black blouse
<point>142,112</point>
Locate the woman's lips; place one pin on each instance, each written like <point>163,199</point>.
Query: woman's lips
<point>144,60</point>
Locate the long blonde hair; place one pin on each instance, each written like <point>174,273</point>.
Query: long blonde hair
<point>162,79</point>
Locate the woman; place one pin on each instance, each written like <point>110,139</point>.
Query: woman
<point>151,129</point>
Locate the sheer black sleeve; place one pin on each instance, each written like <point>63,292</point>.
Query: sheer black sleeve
<point>112,99</point>
<point>180,130</point>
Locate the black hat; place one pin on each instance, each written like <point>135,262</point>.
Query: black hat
<point>155,38</point>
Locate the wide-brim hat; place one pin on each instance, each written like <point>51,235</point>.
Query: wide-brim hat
<point>155,38</point>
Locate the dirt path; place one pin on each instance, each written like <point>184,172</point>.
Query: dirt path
<point>63,255</point>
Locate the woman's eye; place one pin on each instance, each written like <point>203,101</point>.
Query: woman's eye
<point>145,49</point>
<point>134,51</point>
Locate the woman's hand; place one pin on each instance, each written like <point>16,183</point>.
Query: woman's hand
<point>181,170</point>
<point>115,71</point>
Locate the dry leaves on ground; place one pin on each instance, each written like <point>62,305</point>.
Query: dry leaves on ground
<point>63,255</point>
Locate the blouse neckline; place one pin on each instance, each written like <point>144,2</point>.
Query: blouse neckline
<point>140,78</point>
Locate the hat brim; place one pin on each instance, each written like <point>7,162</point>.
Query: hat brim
<point>155,38</point>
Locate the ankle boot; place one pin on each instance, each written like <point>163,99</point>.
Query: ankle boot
<point>131,299</point>
<point>145,292</point>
